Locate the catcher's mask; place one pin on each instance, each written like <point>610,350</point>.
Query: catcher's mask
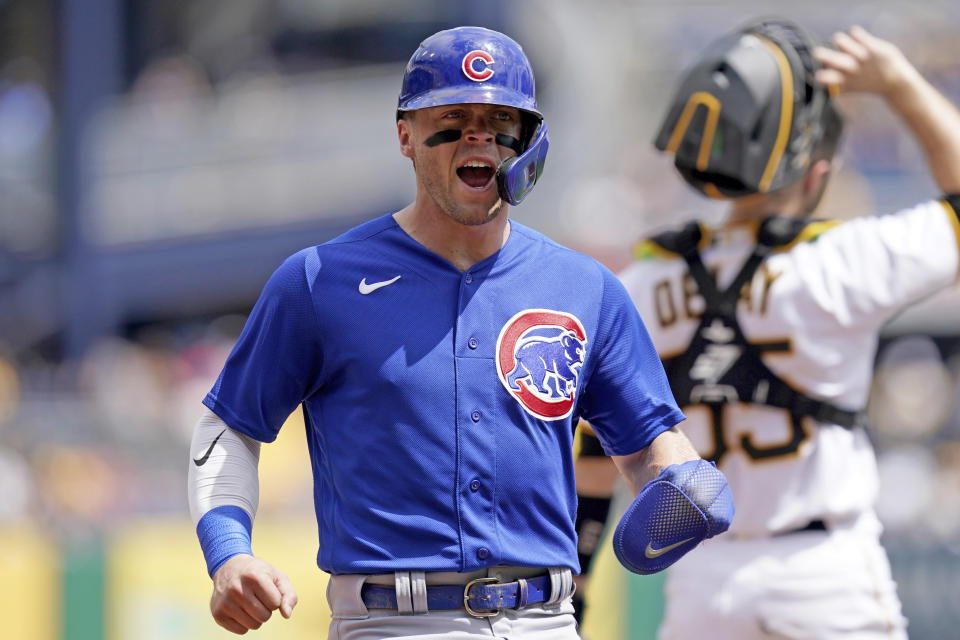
<point>749,114</point>
<point>474,65</point>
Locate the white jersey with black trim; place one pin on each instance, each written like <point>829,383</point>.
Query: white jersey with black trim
<point>815,307</point>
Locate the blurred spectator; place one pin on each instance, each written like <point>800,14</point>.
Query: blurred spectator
<point>913,391</point>
<point>907,478</point>
<point>27,213</point>
<point>25,112</point>
<point>17,483</point>
<point>944,516</point>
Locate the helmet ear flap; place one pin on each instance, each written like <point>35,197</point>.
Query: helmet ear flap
<point>517,175</point>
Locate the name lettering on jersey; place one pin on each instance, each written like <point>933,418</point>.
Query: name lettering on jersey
<point>663,303</point>
<point>665,294</point>
<point>539,357</point>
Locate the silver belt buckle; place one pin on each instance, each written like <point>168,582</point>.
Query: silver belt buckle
<point>466,599</point>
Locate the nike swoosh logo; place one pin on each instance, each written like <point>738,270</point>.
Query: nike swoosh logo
<point>373,286</point>
<point>203,459</point>
<point>651,553</point>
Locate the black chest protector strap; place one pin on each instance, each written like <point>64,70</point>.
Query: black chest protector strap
<point>720,366</point>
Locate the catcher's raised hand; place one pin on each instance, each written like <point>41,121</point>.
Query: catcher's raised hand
<point>860,61</point>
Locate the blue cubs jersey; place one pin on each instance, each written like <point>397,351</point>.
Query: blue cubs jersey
<point>440,405</point>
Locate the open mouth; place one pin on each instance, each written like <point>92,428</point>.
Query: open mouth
<point>476,173</point>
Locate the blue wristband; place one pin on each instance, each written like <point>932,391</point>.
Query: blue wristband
<point>224,532</point>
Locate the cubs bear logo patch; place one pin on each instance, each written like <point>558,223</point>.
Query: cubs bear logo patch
<point>539,357</point>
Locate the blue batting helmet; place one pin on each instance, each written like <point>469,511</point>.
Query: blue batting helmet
<point>468,65</point>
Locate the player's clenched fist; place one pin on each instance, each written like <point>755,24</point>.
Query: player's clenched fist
<point>860,61</point>
<point>246,591</point>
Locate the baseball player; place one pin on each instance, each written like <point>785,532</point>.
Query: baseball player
<point>442,355</point>
<point>768,326</point>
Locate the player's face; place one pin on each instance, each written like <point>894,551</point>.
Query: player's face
<point>456,154</point>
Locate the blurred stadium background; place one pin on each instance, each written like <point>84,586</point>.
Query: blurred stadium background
<point>159,159</point>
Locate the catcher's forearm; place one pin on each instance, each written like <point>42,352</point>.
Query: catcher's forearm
<point>596,480</point>
<point>935,123</point>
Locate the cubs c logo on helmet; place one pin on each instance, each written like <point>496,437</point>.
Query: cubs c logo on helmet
<point>539,356</point>
<point>469,65</point>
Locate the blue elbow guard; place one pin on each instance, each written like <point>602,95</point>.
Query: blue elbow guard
<point>686,504</point>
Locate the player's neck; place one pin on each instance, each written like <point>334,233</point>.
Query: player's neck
<point>756,207</point>
<point>460,244</point>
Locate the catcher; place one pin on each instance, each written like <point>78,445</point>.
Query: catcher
<point>768,327</point>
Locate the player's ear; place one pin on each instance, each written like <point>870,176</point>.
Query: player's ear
<point>813,185</point>
<point>405,136</point>
<point>816,179</point>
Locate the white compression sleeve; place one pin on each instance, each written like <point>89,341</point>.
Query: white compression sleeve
<point>223,468</point>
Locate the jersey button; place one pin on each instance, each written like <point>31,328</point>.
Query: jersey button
<point>474,485</point>
<point>482,553</point>
<point>472,343</point>
<point>475,416</point>
<point>468,278</point>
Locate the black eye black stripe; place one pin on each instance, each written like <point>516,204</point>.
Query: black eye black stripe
<point>509,142</point>
<point>452,135</point>
<point>441,137</point>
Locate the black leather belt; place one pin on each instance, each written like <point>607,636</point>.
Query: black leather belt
<point>481,598</point>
